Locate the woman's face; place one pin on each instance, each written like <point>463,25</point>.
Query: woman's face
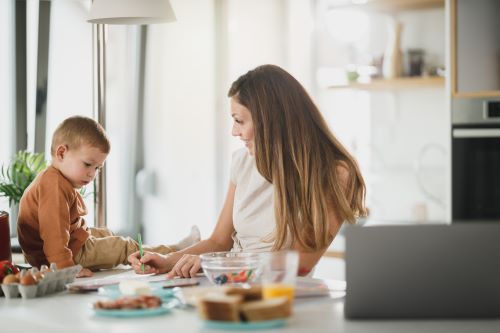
<point>242,124</point>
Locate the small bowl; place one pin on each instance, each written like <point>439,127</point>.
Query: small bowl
<point>231,267</point>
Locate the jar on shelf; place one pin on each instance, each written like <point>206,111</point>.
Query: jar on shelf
<point>415,62</point>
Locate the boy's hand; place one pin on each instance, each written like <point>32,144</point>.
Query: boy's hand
<point>153,263</point>
<point>85,272</point>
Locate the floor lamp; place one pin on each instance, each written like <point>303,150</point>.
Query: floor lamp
<point>125,12</point>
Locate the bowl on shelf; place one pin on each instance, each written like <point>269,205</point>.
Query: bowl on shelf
<point>231,267</point>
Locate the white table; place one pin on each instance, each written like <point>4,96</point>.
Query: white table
<point>65,312</point>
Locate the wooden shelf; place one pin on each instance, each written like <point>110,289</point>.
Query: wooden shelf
<point>394,84</point>
<point>390,6</point>
<point>334,254</point>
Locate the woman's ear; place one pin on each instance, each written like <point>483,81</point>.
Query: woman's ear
<point>61,152</point>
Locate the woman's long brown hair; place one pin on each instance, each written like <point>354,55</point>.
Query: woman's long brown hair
<point>296,152</point>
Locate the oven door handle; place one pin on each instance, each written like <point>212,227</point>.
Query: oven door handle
<point>476,133</point>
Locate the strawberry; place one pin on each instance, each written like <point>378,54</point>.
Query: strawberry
<point>7,268</point>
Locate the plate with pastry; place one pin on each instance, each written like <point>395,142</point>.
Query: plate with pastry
<point>135,288</point>
<point>133,306</point>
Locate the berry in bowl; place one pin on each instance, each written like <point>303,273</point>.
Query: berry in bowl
<point>231,267</point>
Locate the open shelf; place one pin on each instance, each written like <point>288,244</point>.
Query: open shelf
<point>393,84</point>
<point>390,5</point>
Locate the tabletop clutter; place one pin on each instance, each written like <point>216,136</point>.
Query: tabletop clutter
<point>235,303</point>
<point>236,291</point>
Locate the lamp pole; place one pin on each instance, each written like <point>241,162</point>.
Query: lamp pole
<point>99,39</point>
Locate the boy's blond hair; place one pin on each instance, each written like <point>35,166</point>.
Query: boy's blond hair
<point>77,131</point>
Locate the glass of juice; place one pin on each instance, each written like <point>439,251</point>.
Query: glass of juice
<point>279,273</point>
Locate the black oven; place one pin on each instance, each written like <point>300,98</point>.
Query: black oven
<point>475,165</point>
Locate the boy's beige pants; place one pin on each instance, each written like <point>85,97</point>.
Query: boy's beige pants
<point>103,250</point>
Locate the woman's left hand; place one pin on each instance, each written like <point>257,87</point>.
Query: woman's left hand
<point>187,266</point>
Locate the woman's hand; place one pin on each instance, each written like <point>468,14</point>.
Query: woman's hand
<point>153,263</point>
<point>187,266</point>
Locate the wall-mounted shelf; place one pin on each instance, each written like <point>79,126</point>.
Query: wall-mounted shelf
<point>391,5</point>
<point>334,254</point>
<point>394,84</point>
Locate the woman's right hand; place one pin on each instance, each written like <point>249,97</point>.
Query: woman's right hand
<point>153,263</point>
<point>187,266</point>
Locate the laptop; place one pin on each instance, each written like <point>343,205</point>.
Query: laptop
<point>423,271</point>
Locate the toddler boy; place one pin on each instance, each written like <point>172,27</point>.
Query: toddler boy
<point>51,228</point>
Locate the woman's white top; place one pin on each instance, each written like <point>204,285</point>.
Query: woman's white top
<point>253,209</point>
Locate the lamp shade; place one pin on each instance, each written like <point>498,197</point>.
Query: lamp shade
<point>131,12</point>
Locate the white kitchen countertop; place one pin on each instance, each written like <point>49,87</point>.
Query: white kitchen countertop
<point>65,312</point>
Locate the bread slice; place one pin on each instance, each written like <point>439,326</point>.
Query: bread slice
<point>267,309</point>
<point>253,293</point>
<point>218,306</point>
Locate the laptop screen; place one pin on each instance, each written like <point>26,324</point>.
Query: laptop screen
<point>427,271</point>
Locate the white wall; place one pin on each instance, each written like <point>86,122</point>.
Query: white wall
<point>70,64</point>
<point>257,36</point>
<point>122,62</point>
<point>409,129</point>
<point>267,32</point>
<point>299,37</point>
<point>179,122</point>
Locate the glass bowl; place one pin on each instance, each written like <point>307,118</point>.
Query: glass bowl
<point>231,267</point>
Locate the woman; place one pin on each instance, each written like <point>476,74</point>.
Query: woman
<point>291,188</point>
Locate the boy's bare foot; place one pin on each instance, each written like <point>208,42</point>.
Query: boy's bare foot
<point>85,272</point>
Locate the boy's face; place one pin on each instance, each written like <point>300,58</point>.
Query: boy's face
<point>80,165</point>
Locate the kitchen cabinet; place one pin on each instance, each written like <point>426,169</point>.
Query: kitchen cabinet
<point>475,48</point>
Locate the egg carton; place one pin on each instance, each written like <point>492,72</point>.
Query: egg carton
<point>52,282</point>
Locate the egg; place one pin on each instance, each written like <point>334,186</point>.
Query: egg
<point>39,276</point>
<point>28,280</point>
<point>10,279</point>
<point>45,268</point>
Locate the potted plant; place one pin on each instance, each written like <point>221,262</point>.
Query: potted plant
<point>16,177</point>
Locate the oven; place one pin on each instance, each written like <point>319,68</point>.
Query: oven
<point>475,168</point>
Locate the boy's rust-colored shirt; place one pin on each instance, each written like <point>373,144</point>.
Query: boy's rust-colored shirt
<point>50,226</point>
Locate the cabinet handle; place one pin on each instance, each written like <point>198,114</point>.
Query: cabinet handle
<point>476,133</point>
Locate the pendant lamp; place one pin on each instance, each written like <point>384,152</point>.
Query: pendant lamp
<point>131,12</point>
